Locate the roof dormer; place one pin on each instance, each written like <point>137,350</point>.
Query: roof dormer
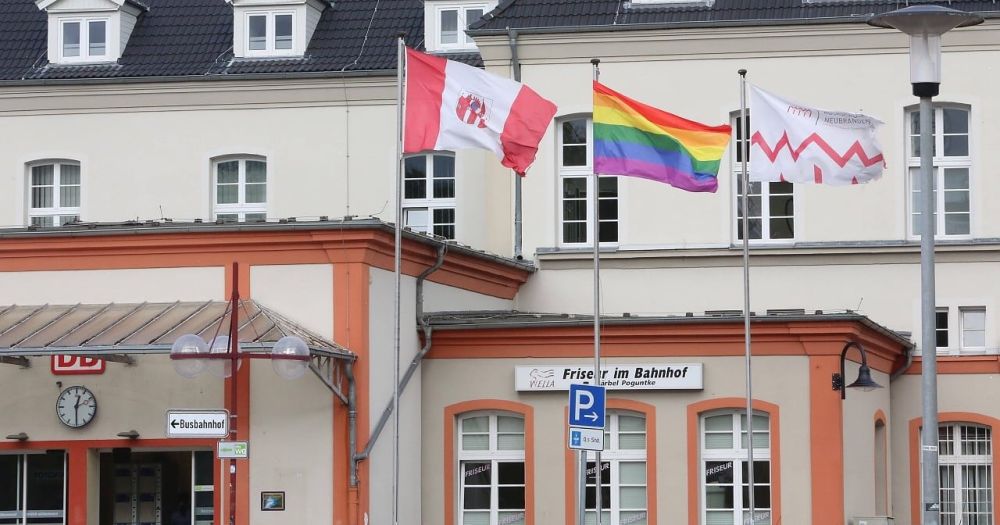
<point>445,22</point>
<point>89,31</point>
<point>274,28</point>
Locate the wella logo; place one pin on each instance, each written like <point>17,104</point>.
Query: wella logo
<point>542,378</point>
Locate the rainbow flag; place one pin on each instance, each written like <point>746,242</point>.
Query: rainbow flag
<point>631,138</point>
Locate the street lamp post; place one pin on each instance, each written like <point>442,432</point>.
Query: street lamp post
<point>925,24</point>
<point>289,357</point>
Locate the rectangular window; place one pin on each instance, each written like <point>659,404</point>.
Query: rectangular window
<point>33,488</point>
<point>54,194</point>
<point>623,473</point>
<point>941,327</point>
<point>452,20</point>
<point>429,194</point>
<point>770,205</point>
<point>84,40</point>
<point>951,169</point>
<point>966,474</point>
<point>240,190</point>
<point>725,467</point>
<point>576,182</point>
<point>973,321</point>
<point>491,467</point>
<point>270,33</point>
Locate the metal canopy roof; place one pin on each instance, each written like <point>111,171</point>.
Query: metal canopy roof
<point>120,329</point>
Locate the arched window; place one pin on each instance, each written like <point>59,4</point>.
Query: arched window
<point>429,194</point>
<point>881,468</point>
<point>53,193</point>
<point>965,461</point>
<point>725,467</point>
<point>952,165</point>
<point>491,461</point>
<point>239,189</point>
<point>576,182</point>
<point>623,472</point>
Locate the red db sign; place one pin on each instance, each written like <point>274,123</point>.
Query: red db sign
<point>76,364</point>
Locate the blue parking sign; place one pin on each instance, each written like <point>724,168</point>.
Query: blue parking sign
<point>586,406</point>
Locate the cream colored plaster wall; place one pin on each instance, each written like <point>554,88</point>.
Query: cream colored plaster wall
<point>693,73</point>
<point>887,293</point>
<point>381,350</point>
<point>300,292</point>
<point>976,393</point>
<point>291,426</point>
<point>128,398</point>
<point>472,379</point>
<point>440,298</point>
<point>859,442</point>
<point>291,446</point>
<point>119,286</point>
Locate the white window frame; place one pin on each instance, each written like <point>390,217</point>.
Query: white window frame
<point>494,456</point>
<point>940,164</point>
<point>60,214</point>
<point>241,208</point>
<point>955,462</point>
<point>463,42</point>
<point>736,168</point>
<point>270,38</point>
<point>84,56</point>
<point>733,455</point>
<point>614,455</point>
<point>429,203</point>
<point>586,172</point>
<point>22,512</point>
<point>964,346</point>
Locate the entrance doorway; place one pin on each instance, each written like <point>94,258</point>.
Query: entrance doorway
<point>156,487</point>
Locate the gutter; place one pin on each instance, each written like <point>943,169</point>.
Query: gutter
<point>860,18</point>
<point>198,77</point>
<point>414,364</point>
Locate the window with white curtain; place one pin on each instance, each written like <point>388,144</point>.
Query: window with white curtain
<point>725,488</point>
<point>448,20</point>
<point>973,322</point>
<point>33,488</point>
<point>240,189</point>
<point>83,40</point>
<point>491,469</point>
<point>952,166</point>
<point>623,473</point>
<point>53,193</point>
<point>429,194</point>
<point>965,462</point>
<point>270,33</point>
<point>576,182</point>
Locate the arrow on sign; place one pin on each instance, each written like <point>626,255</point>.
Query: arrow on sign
<point>591,416</point>
<point>173,423</point>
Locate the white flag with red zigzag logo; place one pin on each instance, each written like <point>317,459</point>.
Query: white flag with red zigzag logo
<point>797,143</point>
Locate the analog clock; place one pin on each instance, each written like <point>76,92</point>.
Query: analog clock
<point>76,406</point>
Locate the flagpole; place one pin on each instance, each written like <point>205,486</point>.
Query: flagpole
<point>400,57</point>
<point>594,229</point>
<point>745,127</point>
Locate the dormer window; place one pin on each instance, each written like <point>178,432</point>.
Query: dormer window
<point>84,40</point>
<point>274,28</point>
<point>446,22</point>
<point>89,31</point>
<point>270,33</point>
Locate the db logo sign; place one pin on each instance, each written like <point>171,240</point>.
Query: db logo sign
<point>76,364</point>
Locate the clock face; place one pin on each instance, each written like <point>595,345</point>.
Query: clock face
<point>76,406</point>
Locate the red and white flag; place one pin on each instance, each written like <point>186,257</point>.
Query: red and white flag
<point>450,106</point>
<point>797,143</point>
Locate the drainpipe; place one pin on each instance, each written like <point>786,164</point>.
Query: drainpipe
<point>902,370</point>
<point>516,66</point>
<point>352,444</point>
<point>414,364</point>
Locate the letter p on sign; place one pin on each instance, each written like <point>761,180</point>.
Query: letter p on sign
<point>586,406</point>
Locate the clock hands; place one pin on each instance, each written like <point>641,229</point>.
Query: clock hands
<point>76,410</point>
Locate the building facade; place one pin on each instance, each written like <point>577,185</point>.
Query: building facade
<point>146,146</point>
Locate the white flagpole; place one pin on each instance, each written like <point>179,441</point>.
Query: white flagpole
<point>745,146</point>
<point>400,58</point>
<point>594,230</point>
